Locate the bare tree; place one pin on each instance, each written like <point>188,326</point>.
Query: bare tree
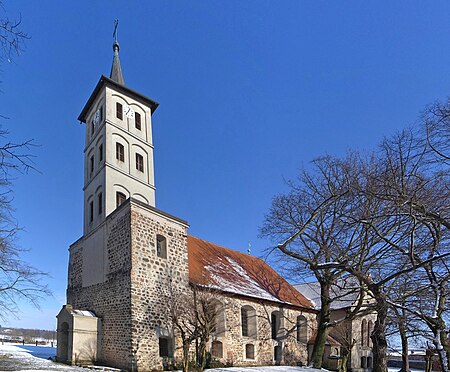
<point>12,38</point>
<point>18,279</point>
<point>193,314</point>
<point>309,221</point>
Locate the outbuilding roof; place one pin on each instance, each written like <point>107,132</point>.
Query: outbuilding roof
<point>237,273</point>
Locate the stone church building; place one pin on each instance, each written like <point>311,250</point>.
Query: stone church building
<point>131,255</point>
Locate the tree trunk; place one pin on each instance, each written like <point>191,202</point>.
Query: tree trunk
<point>322,327</point>
<point>202,354</point>
<point>379,332</point>
<point>404,338</point>
<point>440,350</point>
<point>445,345</point>
<point>186,356</point>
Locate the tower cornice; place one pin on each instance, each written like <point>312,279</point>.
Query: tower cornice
<point>107,82</point>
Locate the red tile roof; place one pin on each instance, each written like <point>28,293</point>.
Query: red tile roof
<point>230,271</point>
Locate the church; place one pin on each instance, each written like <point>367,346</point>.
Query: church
<point>131,255</point>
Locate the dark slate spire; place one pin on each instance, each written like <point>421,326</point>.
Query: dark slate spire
<point>116,70</point>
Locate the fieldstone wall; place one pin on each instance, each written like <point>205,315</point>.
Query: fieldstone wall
<point>110,300</point>
<point>154,280</point>
<point>293,352</point>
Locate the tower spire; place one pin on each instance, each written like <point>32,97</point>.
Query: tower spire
<point>116,70</point>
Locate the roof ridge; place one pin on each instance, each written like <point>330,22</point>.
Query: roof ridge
<point>230,249</point>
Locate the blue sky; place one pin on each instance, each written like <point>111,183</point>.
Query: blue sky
<point>249,92</point>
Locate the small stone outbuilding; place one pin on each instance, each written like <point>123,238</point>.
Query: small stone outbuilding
<point>77,336</point>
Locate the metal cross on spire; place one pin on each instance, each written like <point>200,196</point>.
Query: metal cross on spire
<point>116,23</point>
<point>116,69</point>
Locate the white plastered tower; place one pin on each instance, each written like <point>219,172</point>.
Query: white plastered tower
<point>118,156</point>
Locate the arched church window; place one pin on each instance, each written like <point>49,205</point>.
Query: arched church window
<point>369,332</point>
<point>248,321</point>
<point>363,332</point>
<point>302,329</point>
<point>275,324</point>
<point>120,152</point>
<point>161,246</point>
<point>120,198</point>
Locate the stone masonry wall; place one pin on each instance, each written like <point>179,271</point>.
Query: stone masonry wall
<point>111,300</point>
<point>293,352</point>
<point>153,280</point>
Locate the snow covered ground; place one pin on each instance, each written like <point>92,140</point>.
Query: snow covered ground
<point>28,358</point>
<point>266,369</point>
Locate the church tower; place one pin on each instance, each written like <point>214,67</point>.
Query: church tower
<point>131,256</point>
<point>118,155</point>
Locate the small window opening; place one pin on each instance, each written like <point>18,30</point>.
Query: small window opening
<point>120,152</point>
<point>91,211</point>
<point>119,111</point>
<point>139,162</point>
<point>164,347</point>
<point>161,246</point>
<point>120,198</point>
<point>217,349</point>
<point>250,351</point>
<point>100,152</point>
<point>91,166</point>
<point>363,362</point>
<point>137,120</point>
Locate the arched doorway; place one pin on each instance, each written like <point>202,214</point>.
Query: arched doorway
<point>63,342</point>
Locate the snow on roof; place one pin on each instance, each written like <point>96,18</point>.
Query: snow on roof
<point>234,272</point>
<point>345,293</point>
<point>82,313</point>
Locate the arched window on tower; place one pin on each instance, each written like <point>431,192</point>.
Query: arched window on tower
<point>161,246</point>
<point>120,152</point>
<point>139,162</point>
<point>100,203</point>
<point>137,120</point>
<point>120,198</point>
